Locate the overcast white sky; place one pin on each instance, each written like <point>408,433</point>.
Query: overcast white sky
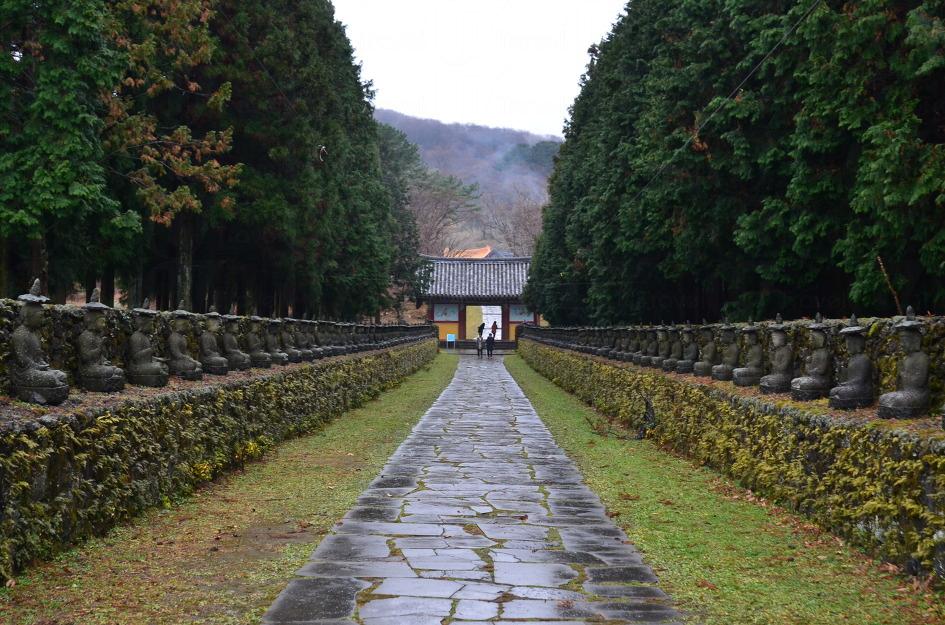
<point>506,63</point>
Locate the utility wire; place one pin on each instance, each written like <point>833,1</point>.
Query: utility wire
<point>730,96</point>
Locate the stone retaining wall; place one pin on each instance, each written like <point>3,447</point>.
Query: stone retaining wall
<point>67,475</point>
<point>879,484</point>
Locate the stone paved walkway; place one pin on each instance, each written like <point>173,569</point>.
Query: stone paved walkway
<point>479,517</point>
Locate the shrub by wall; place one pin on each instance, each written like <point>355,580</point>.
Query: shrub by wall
<point>879,484</point>
<point>67,476</point>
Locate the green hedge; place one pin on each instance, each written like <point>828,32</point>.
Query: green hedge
<point>879,486</point>
<point>63,478</point>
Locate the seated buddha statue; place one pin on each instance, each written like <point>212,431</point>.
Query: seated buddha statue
<point>287,337</point>
<point>211,360</point>
<point>675,350</point>
<point>180,362</point>
<point>750,374</point>
<point>662,347</point>
<point>310,327</point>
<point>690,351</point>
<point>708,353</point>
<point>911,397</point>
<point>236,359</point>
<point>856,386</point>
<point>633,345</point>
<point>256,344</point>
<point>30,375</point>
<point>725,370</point>
<point>782,360</point>
<point>302,340</point>
<point>96,373</point>
<point>274,343</point>
<point>815,383</point>
<point>142,367</point>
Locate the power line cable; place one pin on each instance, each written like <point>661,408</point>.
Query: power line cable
<point>730,96</point>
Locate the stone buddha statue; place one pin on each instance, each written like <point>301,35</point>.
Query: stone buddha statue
<point>302,340</point>
<point>608,343</point>
<point>287,338</point>
<point>662,347</point>
<point>31,378</point>
<point>651,349</point>
<point>310,328</point>
<point>750,374</point>
<point>274,344</point>
<point>96,373</point>
<point>725,370</point>
<point>639,343</point>
<point>256,344</point>
<point>856,387</point>
<point>690,351</point>
<point>647,345</point>
<point>782,360</point>
<point>815,383</point>
<point>142,367</point>
<point>236,359</point>
<point>708,353</point>
<point>333,331</point>
<point>633,345</point>
<point>210,358</point>
<point>675,349</point>
<point>911,397</point>
<point>180,362</point>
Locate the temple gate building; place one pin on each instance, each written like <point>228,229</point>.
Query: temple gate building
<point>465,292</point>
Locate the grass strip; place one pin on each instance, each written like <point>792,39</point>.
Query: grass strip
<point>222,555</point>
<point>726,556</point>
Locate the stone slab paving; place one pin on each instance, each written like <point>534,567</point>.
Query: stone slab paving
<point>478,517</point>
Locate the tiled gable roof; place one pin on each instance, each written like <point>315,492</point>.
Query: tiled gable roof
<point>499,279</point>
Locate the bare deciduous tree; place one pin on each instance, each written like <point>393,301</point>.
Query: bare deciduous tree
<point>516,224</point>
<point>441,204</point>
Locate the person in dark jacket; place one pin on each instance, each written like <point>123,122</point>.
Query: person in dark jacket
<point>490,344</point>
<point>482,328</point>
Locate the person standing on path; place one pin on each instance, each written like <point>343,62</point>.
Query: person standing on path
<point>479,345</point>
<point>490,343</point>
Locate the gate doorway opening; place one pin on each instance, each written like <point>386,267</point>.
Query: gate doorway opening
<point>476,315</point>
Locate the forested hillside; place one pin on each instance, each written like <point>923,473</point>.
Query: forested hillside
<point>504,163</point>
<point>819,185</point>
<point>211,151</point>
<point>486,185</point>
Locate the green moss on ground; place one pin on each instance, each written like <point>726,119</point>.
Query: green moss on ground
<point>726,556</point>
<point>223,554</point>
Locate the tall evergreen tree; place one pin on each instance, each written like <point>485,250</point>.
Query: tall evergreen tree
<point>54,70</point>
<point>671,200</point>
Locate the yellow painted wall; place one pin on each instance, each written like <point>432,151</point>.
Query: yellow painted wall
<point>473,319</point>
<point>448,327</point>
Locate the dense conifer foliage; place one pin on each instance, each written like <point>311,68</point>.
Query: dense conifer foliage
<point>212,151</point>
<point>672,200</point>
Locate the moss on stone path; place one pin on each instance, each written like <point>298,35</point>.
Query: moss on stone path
<point>724,555</point>
<point>222,555</point>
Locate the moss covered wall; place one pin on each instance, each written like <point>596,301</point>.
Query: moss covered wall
<point>68,476</point>
<point>880,486</point>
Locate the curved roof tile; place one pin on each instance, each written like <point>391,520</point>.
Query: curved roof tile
<point>487,279</point>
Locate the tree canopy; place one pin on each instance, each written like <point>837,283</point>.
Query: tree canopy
<point>211,151</point>
<point>819,185</point>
